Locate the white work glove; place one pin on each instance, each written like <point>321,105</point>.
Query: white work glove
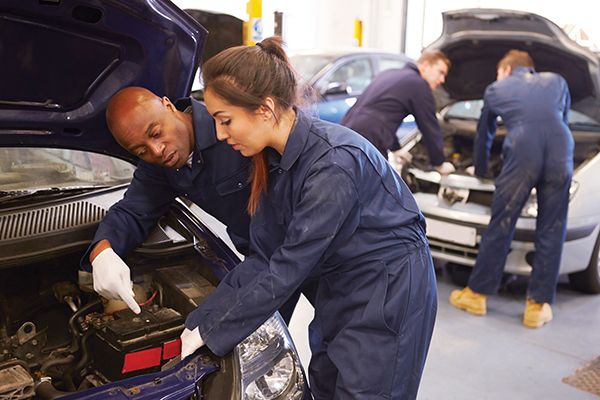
<point>445,168</point>
<point>470,170</point>
<point>112,278</point>
<point>190,342</point>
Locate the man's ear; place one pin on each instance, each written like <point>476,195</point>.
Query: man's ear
<point>167,103</point>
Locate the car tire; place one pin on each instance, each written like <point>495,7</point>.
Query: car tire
<point>588,280</point>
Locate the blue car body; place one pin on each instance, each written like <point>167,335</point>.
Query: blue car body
<point>338,77</point>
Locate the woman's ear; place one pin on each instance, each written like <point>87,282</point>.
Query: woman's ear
<point>267,108</point>
<point>270,103</point>
<point>263,112</point>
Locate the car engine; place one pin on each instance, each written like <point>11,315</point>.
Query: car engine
<point>459,151</point>
<point>54,328</point>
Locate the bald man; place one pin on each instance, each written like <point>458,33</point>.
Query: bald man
<point>179,156</point>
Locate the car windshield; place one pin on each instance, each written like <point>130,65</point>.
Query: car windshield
<point>41,168</point>
<point>471,109</point>
<point>308,65</point>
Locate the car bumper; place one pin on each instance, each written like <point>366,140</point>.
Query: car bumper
<point>455,231</point>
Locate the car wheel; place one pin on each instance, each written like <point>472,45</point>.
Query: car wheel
<point>588,280</point>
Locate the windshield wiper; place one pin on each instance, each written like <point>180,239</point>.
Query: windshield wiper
<point>10,195</point>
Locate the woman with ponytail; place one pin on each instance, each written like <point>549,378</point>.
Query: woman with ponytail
<point>327,209</point>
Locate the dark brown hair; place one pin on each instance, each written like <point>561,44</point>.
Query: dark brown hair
<point>244,76</point>
<point>433,56</point>
<point>514,59</point>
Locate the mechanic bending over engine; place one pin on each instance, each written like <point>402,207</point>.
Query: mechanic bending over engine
<point>179,156</point>
<point>537,153</point>
<point>393,95</point>
<point>326,208</point>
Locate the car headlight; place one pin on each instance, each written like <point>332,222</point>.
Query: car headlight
<point>530,209</point>
<point>269,364</point>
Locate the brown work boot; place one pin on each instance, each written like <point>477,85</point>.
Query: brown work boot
<point>468,300</point>
<point>536,314</point>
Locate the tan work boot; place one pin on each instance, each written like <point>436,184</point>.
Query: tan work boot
<point>468,300</point>
<point>536,314</point>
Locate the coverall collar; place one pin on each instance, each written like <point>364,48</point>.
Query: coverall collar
<point>296,141</point>
<point>416,69</point>
<point>523,71</point>
<point>204,127</point>
<point>205,134</point>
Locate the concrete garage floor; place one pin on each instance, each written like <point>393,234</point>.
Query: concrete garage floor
<point>495,357</point>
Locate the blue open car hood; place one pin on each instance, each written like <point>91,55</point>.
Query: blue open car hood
<point>62,60</point>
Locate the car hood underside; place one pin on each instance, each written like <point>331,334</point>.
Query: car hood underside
<point>63,60</point>
<point>475,40</point>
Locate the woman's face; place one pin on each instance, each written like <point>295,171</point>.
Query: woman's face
<point>248,132</point>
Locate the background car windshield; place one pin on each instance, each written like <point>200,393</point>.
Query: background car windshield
<point>386,63</point>
<point>39,168</point>
<point>355,75</point>
<point>308,65</point>
<point>471,109</point>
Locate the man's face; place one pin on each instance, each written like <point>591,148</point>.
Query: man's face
<point>434,73</point>
<point>156,132</point>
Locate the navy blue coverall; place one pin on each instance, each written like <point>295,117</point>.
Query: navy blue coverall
<point>217,182</point>
<point>336,212</point>
<point>537,153</point>
<point>390,97</point>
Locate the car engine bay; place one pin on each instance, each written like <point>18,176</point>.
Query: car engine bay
<point>459,138</point>
<point>54,328</point>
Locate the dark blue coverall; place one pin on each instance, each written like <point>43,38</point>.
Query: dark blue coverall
<point>537,153</point>
<point>335,211</point>
<point>217,182</point>
<point>390,97</point>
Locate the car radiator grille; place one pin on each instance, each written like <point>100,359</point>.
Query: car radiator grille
<point>453,249</point>
<point>481,197</point>
<point>49,219</point>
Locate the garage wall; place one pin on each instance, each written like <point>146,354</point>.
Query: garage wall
<point>330,23</point>
<point>322,24</point>
<point>236,8</point>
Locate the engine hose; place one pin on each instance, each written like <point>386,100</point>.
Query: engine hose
<point>73,323</point>
<point>85,355</point>
<point>55,362</point>
<point>46,391</point>
<point>83,362</point>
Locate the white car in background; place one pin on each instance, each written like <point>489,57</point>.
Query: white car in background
<point>457,207</point>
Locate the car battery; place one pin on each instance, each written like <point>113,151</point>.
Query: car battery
<point>133,344</point>
<point>183,287</point>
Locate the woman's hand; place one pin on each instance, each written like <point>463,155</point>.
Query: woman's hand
<point>190,342</point>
